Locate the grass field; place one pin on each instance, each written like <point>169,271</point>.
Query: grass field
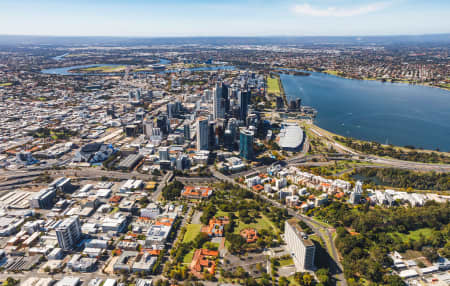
<point>104,69</point>
<point>188,257</point>
<point>222,213</point>
<point>415,235</point>
<point>332,72</point>
<point>191,232</point>
<point>273,86</point>
<point>261,223</point>
<point>286,262</point>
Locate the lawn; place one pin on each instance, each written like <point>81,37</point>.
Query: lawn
<point>415,235</point>
<point>104,69</point>
<point>191,232</point>
<point>188,257</point>
<point>261,223</point>
<point>286,262</point>
<point>273,86</point>
<point>332,72</point>
<point>221,213</point>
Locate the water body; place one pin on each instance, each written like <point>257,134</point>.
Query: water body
<point>61,57</point>
<point>66,70</point>
<point>394,113</point>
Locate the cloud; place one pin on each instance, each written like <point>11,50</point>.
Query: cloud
<point>306,9</point>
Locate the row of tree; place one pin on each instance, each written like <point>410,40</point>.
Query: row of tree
<point>407,179</point>
<point>390,151</point>
<point>378,231</point>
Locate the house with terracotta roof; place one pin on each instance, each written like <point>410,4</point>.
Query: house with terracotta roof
<point>215,226</point>
<point>258,187</point>
<point>198,192</point>
<point>203,261</point>
<point>249,234</point>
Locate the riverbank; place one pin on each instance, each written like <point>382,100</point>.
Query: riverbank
<point>436,156</point>
<point>397,114</point>
<point>341,74</point>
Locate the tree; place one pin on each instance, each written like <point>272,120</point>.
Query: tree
<point>283,281</point>
<point>430,253</point>
<point>172,191</point>
<point>323,275</point>
<point>394,280</point>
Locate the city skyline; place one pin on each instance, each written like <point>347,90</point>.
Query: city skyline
<point>175,18</point>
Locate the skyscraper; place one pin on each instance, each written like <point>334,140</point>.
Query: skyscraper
<point>246,144</point>
<point>219,102</point>
<point>69,233</point>
<point>202,134</point>
<point>163,123</point>
<point>244,100</point>
<point>187,131</point>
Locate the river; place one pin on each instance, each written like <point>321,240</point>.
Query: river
<point>394,113</point>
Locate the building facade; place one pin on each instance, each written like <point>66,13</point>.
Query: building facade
<point>202,134</point>
<point>69,233</point>
<point>302,249</point>
<point>246,144</point>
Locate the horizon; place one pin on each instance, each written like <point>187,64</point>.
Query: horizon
<point>233,18</point>
<point>228,36</point>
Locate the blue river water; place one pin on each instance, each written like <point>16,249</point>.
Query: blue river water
<point>393,113</point>
<point>68,70</point>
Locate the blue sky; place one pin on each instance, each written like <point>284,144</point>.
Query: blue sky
<point>151,18</point>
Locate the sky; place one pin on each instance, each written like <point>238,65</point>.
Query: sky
<point>173,18</point>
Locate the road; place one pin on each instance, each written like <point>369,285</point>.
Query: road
<point>336,266</point>
<point>167,178</point>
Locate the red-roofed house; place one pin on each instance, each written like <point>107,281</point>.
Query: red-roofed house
<point>191,192</point>
<point>202,261</point>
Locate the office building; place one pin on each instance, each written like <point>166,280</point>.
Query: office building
<point>187,131</point>
<point>219,102</point>
<point>148,128</point>
<point>302,249</point>
<point>246,144</point>
<point>163,124</point>
<point>244,100</point>
<point>355,196</point>
<point>44,199</point>
<point>202,134</point>
<point>164,154</point>
<point>212,138</point>
<point>69,233</point>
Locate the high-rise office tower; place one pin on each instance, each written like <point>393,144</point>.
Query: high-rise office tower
<point>202,134</point>
<point>163,123</point>
<point>212,135</point>
<point>218,102</point>
<point>246,144</point>
<point>69,233</point>
<point>187,131</point>
<point>221,103</point>
<point>244,100</point>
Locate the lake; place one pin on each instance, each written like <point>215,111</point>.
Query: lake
<point>67,70</point>
<point>393,113</point>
